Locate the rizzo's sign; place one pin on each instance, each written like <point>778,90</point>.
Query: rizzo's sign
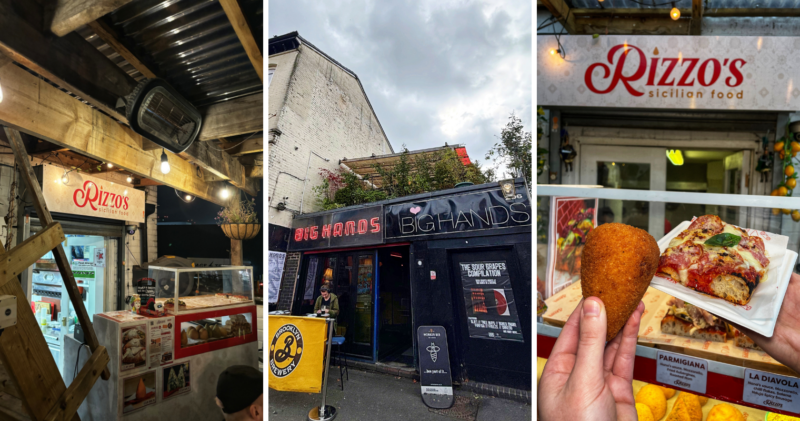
<point>747,73</point>
<point>89,196</point>
<point>357,227</point>
<point>461,213</point>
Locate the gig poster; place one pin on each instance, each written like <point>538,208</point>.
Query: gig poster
<point>489,300</point>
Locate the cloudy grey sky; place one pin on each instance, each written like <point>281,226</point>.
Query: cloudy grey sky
<point>435,71</point>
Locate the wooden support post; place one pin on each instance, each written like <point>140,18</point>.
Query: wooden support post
<point>237,258</point>
<point>696,26</point>
<point>67,406</point>
<point>15,140</point>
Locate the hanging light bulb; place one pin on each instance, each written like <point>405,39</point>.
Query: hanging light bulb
<point>129,179</point>
<point>110,165</point>
<point>675,14</point>
<point>64,178</point>
<point>164,162</point>
<point>552,51</point>
<point>188,197</point>
<point>224,193</point>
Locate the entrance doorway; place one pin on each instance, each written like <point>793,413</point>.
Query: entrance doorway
<point>395,329</point>
<point>649,168</point>
<point>351,276</point>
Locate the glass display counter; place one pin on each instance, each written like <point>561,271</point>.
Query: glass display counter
<point>566,214</point>
<point>187,290</point>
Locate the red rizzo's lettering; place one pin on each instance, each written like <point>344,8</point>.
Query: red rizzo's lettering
<point>89,194</point>
<point>674,71</point>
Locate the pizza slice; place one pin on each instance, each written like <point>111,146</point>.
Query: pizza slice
<point>716,258</point>
<point>684,319</point>
<point>743,341</point>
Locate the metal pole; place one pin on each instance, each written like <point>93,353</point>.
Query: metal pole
<point>325,412</point>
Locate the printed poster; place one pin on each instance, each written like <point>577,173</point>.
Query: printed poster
<point>176,380</point>
<point>100,257</point>
<point>138,391</point>
<point>133,347</point>
<point>491,309</point>
<point>312,272</point>
<point>571,220</point>
<point>275,268</point>
<point>161,339</point>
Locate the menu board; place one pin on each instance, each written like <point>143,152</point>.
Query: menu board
<point>161,350</point>
<point>489,300</point>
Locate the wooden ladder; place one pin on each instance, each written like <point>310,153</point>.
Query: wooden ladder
<point>24,353</point>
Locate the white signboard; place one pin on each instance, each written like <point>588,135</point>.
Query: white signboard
<point>91,196</point>
<point>737,73</point>
<point>275,271</point>
<point>681,371</point>
<point>771,390</point>
<point>100,257</point>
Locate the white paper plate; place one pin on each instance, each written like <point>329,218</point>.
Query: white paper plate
<point>762,311</point>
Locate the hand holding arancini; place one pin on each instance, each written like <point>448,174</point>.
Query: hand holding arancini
<point>618,263</point>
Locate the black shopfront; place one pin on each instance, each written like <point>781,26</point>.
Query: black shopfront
<point>458,258</point>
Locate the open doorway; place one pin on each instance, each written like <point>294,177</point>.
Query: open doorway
<point>395,330</point>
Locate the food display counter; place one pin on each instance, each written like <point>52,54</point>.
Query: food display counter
<point>173,355</point>
<point>733,371</point>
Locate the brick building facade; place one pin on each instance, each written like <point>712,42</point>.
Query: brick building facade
<point>318,115</point>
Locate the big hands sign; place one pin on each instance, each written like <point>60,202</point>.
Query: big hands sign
<point>744,73</point>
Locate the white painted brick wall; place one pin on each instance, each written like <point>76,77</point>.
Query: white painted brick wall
<point>323,110</point>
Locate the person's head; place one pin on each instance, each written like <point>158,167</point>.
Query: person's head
<point>240,393</point>
<point>325,291</point>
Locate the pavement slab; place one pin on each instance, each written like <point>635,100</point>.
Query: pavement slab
<point>371,396</point>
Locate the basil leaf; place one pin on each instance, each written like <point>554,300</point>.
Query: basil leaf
<point>724,240</point>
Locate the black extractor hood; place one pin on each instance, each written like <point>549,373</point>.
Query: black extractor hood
<point>156,111</point>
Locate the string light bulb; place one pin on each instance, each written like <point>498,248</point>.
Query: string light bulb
<point>675,13</point>
<point>552,51</point>
<point>110,165</point>
<point>129,179</point>
<point>224,193</point>
<point>188,197</point>
<point>64,178</point>
<point>164,162</point>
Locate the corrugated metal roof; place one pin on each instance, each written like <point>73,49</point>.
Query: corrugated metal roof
<point>683,4</point>
<point>189,43</point>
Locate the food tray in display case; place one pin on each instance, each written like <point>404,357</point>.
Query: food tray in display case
<point>205,331</point>
<point>187,290</point>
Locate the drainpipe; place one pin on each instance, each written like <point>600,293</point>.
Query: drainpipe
<point>305,179</point>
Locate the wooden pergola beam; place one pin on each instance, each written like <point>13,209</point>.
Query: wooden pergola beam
<point>244,147</point>
<point>636,26</point>
<point>696,26</point>
<point>69,61</point>
<point>664,12</point>
<point>242,29</point>
<point>561,11</point>
<point>107,35</point>
<point>37,108</point>
<point>70,15</point>
<point>230,118</point>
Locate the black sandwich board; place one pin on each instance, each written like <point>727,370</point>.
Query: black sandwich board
<point>434,367</point>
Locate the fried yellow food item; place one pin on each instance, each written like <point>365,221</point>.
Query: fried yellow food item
<point>692,405</point>
<point>184,337</point>
<point>203,333</point>
<point>668,393</point>
<point>652,396</point>
<point>724,412</point>
<point>643,412</point>
<point>703,400</point>
<point>679,412</point>
<point>617,265</point>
